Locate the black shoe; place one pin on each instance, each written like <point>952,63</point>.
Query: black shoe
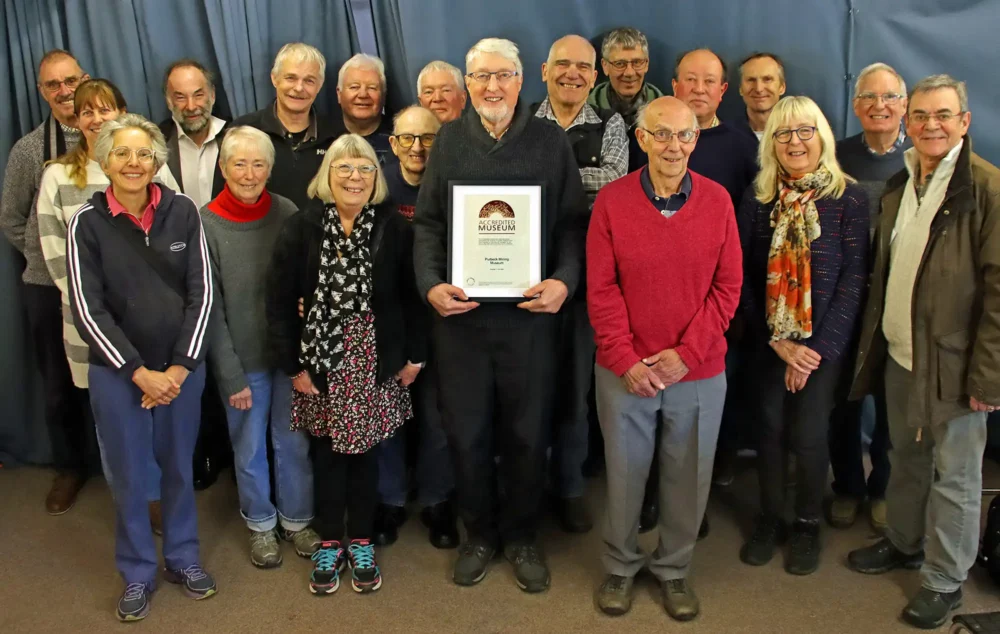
<point>803,551</point>
<point>388,519</point>
<point>205,472</point>
<point>473,560</point>
<point>768,534</point>
<point>881,557</point>
<point>929,610</point>
<point>440,519</point>
<point>648,516</point>
<point>574,516</point>
<point>704,529</point>
<point>529,566</point>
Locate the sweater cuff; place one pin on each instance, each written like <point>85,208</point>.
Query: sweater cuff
<point>232,385</point>
<point>823,347</point>
<point>184,361</point>
<point>687,356</point>
<point>623,365</point>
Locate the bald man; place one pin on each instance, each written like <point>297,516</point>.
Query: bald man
<point>413,134</point>
<point>660,348</point>
<point>600,144</point>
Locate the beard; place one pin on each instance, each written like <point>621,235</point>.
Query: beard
<point>196,125</point>
<point>493,113</point>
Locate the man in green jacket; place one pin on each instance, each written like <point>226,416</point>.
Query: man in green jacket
<point>931,330</point>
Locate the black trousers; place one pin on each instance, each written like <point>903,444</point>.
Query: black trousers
<point>343,483</point>
<point>496,373</point>
<point>802,420</point>
<point>68,416</point>
<point>846,452</point>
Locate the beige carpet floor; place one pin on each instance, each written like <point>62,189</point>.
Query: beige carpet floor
<point>57,574</point>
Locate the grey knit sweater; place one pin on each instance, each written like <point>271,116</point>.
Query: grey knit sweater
<point>241,254</point>
<point>17,202</point>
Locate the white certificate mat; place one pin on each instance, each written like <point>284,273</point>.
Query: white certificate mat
<point>495,249</point>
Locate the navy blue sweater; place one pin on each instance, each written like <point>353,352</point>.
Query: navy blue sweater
<point>125,311</point>
<point>839,268</point>
<point>728,156</point>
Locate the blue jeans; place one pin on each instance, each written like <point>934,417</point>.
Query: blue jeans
<point>153,474</point>
<point>293,477</point>
<point>129,435</point>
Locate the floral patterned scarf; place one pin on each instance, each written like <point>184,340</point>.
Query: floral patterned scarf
<point>344,289</point>
<point>789,273</point>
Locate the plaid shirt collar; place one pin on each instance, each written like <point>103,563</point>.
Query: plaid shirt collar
<point>900,140</point>
<point>586,114</point>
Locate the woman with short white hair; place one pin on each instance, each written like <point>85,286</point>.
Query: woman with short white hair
<point>241,227</point>
<point>351,356</point>
<point>804,230</point>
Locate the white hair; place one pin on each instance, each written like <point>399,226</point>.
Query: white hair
<point>244,136</point>
<point>438,65</point>
<point>106,137</point>
<point>363,62</point>
<point>495,46</point>
<point>874,68</point>
<point>301,53</point>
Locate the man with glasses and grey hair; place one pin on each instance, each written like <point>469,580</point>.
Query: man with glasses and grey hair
<point>361,95</point>
<point>58,76</point>
<point>931,333</point>
<point>299,133</point>
<point>496,360</point>
<point>871,157</point>
<point>441,89</point>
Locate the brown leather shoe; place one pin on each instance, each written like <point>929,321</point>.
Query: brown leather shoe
<point>62,495</point>
<point>156,517</point>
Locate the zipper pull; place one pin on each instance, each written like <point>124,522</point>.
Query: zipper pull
<point>147,240</point>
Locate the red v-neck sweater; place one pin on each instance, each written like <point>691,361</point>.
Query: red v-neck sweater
<point>655,283</point>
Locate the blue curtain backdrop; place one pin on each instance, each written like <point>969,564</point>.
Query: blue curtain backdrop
<point>824,43</point>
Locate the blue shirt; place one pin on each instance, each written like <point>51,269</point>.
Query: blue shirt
<point>671,204</point>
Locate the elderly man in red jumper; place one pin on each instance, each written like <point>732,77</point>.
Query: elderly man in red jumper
<point>664,269</point>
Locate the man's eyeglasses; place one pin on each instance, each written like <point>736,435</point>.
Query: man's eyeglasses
<point>888,98</point>
<point>637,64</point>
<point>503,76</point>
<point>53,84</point>
<point>920,118</point>
<point>666,136</point>
<point>407,140</point>
<point>124,154</point>
<point>804,133</point>
<point>345,170</point>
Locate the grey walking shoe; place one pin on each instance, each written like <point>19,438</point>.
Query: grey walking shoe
<point>615,595</point>
<point>929,610</point>
<point>679,599</point>
<point>197,583</point>
<point>134,603</point>
<point>473,560</point>
<point>529,567</point>
<point>307,541</point>
<point>264,549</point>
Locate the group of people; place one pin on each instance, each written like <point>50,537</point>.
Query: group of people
<point>702,278</point>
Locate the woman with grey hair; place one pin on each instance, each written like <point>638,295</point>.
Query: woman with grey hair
<point>241,227</point>
<point>351,356</point>
<point>141,295</point>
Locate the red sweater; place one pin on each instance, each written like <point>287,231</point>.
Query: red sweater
<point>656,283</point>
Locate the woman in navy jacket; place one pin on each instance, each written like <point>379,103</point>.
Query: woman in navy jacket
<point>141,294</point>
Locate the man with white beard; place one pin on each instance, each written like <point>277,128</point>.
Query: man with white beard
<point>193,135</point>
<point>496,360</point>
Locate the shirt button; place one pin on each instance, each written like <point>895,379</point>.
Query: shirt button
<point>593,158</point>
<point>946,212</point>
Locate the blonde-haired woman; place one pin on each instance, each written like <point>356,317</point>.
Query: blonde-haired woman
<point>804,230</point>
<point>351,357</point>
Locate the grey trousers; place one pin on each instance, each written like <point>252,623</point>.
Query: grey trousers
<point>934,500</point>
<point>691,413</point>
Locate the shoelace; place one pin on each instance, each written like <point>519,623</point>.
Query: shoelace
<point>763,532</point>
<point>134,591</point>
<point>193,573</point>
<point>676,586</point>
<point>266,538</point>
<point>363,554</point>
<point>803,543</point>
<point>527,554</point>
<point>470,548</point>
<point>326,558</point>
<point>615,583</point>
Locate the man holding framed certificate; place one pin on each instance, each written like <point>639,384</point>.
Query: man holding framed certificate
<point>498,247</point>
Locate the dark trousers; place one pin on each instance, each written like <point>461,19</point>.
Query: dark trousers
<point>802,419</point>
<point>343,483</point>
<point>495,387</point>
<point>67,408</point>
<point>571,433</point>
<point>127,433</point>
<point>846,451</point>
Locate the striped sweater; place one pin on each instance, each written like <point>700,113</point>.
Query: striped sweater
<point>58,199</point>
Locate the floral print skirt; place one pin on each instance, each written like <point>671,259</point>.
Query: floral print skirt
<point>355,412</point>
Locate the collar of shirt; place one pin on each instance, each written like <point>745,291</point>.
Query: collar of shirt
<point>312,132</point>
<point>116,208</point>
<point>900,140</point>
<point>715,122</point>
<point>495,137</point>
<point>671,204</point>
<point>912,161</point>
<point>586,114</point>
<point>215,126</point>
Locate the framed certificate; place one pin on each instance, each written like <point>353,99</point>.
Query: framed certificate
<point>495,246</point>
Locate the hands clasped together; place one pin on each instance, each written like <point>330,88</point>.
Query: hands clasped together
<point>654,374</point>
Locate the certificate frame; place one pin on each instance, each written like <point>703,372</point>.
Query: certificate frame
<point>472,229</point>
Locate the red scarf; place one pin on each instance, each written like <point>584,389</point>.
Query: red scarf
<point>228,206</point>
